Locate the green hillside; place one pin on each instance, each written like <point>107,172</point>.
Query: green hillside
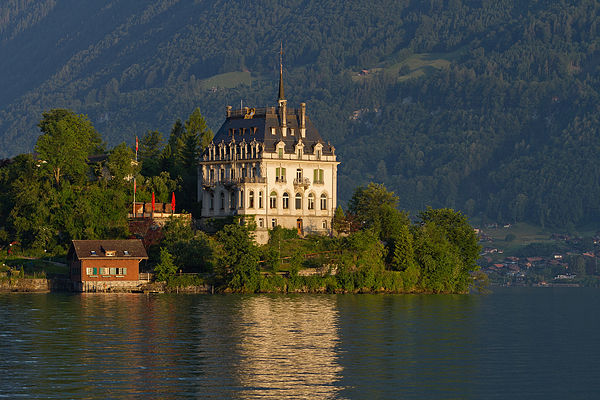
<point>486,106</point>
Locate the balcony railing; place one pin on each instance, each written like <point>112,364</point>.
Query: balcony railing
<point>304,182</point>
<point>280,179</point>
<point>234,181</point>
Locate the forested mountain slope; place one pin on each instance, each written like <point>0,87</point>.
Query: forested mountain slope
<point>486,106</point>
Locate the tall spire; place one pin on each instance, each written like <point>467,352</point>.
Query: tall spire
<point>281,94</point>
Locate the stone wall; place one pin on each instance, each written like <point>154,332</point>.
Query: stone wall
<point>24,285</point>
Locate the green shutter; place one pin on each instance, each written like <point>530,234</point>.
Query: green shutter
<point>316,175</point>
<point>320,175</point>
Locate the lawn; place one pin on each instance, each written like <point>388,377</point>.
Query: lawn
<point>415,66</point>
<point>228,80</point>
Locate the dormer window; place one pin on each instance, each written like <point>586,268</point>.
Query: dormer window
<point>110,253</point>
<point>93,253</point>
<point>272,130</point>
<point>292,131</point>
<point>126,252</point>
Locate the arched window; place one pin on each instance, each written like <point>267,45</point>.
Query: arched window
<point>241,199</point>
<point>299,174</point>
<point>251,199</point>
<point>324,224</point>
<point>273,200</point>
<point>286,201</point>
<point>212,201</point>
<point>222,201</point>
<point>298,201</point>
<point>260,200</point>
<point>232,200</point>
<point>323,201</point>
<point>311,201</point>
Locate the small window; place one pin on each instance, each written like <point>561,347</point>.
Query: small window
<point>88,271</point>
<point>299,154</point>
<point>286,201</point>
<point>272,130</point>
<point>126,252</point>
<point>280,151</point>
<point>111,253</point>
<point>261,223</point>
<point>323,201</point>
<point>324,224</point>
<point>292,131</point>
<point>273,222</point>
<point>112,271</point>
<point>93,253</point>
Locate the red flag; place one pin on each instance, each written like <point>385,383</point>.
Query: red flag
<point>173,202</point>
<point>152,201</point>
<point>134,186</point>
<point>136,144</point>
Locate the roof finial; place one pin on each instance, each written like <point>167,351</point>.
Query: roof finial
<point>281,95</point>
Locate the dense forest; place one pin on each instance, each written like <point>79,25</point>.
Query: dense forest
<point>490,107</point>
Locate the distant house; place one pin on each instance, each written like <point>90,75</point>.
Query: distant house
<point>105,265</point>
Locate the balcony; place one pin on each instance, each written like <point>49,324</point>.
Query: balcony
<point>301,182</point>
<point>280,179</point>
<point>246,179</point>
<point>208,184</point>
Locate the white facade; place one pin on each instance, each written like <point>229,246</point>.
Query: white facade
<point>270,164</point>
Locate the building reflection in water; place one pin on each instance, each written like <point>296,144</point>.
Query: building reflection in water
<point>287,347</point>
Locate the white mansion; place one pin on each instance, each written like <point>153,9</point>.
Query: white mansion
<point>270,163</point>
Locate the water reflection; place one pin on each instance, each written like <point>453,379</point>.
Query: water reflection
<point>288,347</point>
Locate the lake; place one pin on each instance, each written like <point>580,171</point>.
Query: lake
<point>514,343</point>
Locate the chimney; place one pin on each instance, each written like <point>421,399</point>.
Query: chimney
<point>302,119</point>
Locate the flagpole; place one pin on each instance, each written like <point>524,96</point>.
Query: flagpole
<point>134,180</point>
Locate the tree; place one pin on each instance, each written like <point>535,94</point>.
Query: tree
<point>237,265</point>
<point>457,231</point>
<point>166,268</point>
<point>374,207</point>
<point>66,142</point>
<point>121,163</point>
<point>196,125</point>
<point>340,225</point>
<point>150,152</point>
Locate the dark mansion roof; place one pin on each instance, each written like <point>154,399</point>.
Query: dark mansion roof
<point>89,249</point>
<point>258,128</point>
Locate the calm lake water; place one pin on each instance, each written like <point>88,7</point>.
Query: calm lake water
<point>514,343</point>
